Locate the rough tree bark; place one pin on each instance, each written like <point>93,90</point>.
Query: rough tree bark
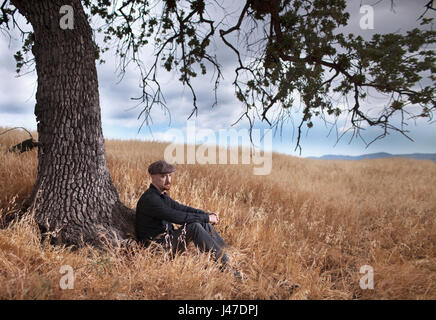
<point>73,196</point>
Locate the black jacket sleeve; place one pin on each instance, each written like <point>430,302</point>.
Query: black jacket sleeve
<point>158,210</point>
<point>177,206</point>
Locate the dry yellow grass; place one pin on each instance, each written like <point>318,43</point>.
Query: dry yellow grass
<point>310,222</point>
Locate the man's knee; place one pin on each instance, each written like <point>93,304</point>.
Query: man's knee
<point>193,227</point>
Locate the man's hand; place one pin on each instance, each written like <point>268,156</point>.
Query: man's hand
<point>213,218</point>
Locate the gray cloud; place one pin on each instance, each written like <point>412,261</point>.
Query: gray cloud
<point>17,94</point>
<point>15,108</point>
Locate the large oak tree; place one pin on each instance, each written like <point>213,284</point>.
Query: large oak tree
<point>292,47</point>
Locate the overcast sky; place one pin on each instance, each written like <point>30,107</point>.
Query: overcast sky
<point>119,117</point>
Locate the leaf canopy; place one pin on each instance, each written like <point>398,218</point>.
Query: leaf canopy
<point>292,48</point>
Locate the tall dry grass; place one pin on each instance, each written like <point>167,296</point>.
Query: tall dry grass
<point>311,222</point>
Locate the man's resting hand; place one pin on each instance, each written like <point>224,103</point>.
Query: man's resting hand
<point>213,218</point>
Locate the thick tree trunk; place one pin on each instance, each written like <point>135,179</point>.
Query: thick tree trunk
<point>73,196</point>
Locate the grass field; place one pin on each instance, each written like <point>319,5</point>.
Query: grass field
<point>310,222</point>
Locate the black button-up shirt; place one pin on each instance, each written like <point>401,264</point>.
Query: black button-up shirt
<point>155,213</point>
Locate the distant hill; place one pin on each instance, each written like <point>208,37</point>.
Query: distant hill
<point>379,155</point>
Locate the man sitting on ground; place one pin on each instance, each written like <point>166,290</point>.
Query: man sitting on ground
<point>156,212</point>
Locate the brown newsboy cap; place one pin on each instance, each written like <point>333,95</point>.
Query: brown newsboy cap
<point>161,167</point>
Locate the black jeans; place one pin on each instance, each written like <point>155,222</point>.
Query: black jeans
<point>203,235</point>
